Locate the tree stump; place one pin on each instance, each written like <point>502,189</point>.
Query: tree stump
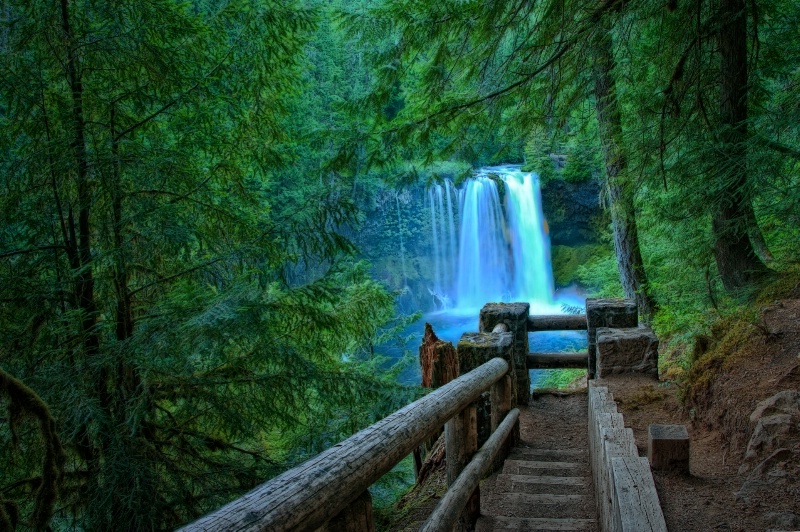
<point>438,359</point>
<point>439,362</point>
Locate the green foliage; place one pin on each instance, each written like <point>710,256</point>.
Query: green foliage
<point>599,275</point>
<point>566,260</point>
<point>584,161</point>
<point>182,298</point>
<point>538,148</point>
<point>561,378</point>
<point>393,485</point>
<point>24,402</point>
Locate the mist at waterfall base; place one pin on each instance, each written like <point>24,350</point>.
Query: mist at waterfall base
<point>490,244</point>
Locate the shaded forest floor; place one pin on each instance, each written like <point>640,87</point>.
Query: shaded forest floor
<point>741,404</point>
<point>740,401</point>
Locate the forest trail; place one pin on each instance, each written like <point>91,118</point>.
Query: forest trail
<point>546,482</point>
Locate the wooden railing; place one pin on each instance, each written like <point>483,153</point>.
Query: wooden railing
<point>451,508</point>
<point>332,487</point>
<point>330,491</point>
<point>566,322</point>
<point>557,322</point>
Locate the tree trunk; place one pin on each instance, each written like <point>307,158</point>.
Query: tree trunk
<point>756,236</point>
<point>737,261</point>
<point>620,192</point>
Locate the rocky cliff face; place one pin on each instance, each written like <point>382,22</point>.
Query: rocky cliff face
<point>572,211</point>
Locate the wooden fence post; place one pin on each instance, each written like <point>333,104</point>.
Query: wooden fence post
<point>355,518</point>
<point>475,349</point>
<point>461,441</point>
<point>501,404</point>
<point>515,316</point>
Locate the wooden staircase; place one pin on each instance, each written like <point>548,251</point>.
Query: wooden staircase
<point>545,485</point>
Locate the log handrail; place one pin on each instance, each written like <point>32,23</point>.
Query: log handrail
<point>317,490</point>
<point>557,322</point>
<point>558,359</point>
<point>447,512</point>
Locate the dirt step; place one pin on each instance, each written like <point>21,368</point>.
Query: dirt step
<point>542,484</point>
<point>540,505</point>
<point>550,454</point>
<point>539,467</point>
<point>491,524</point>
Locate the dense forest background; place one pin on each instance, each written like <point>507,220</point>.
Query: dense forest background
<point>205,210</point>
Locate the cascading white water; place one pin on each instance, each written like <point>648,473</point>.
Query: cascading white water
<point>503,252</point>
<point>444,242</point>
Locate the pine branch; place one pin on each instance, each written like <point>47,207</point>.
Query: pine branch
<point>26,251</point>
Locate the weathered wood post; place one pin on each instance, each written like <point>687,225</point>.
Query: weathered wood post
<point>355,518</point>
<point>438,360</point>
<point>515,317</point>
<point>616,313</point>
<point>470,429</point>
<point>475,349</point>
<point>461,442</point>
<point>631,350</point>
<point>668,447</point>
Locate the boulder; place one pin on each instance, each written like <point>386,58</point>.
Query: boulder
<point>785,402</point>
<point>776,424</point>
<point>769,476</point>
<point>774,521</point>
<point>770,433</point>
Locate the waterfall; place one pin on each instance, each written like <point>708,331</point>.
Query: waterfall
<point>402,247</point>
<point>495,247</point>
<point>443,229</point>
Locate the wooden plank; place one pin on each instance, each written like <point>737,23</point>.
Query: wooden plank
<point>538,464</point>
<point>544,479</point>
<point>557,360</point>
<point>545,505</point>
<point>491,523</point>
<point>505,485</point>
<point>527,452</point>
<point>355,518</point>
<point>447,512</point>
<point>638,509</point>
<point>536,499</point>
<point>557,322</point>
<point>604,421</point>
<point>461,441</point>
<point>599,421</point>
<point>317,490</point>
<point>615,443</point>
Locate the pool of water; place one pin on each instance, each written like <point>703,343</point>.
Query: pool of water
<point>450,327</point>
